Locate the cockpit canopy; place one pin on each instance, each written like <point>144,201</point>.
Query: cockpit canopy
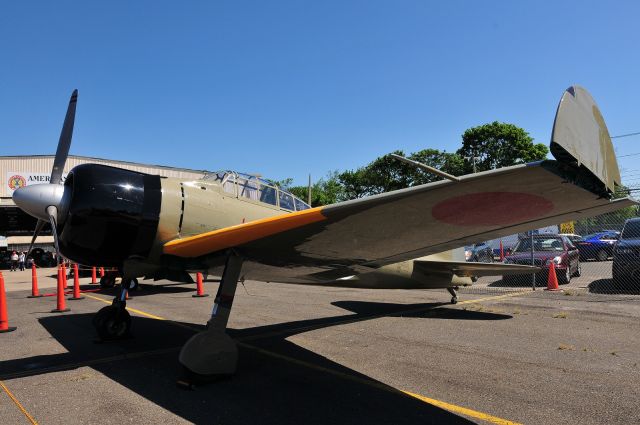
<point>257,189</point>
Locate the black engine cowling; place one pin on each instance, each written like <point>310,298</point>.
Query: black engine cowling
<point>113,215</point>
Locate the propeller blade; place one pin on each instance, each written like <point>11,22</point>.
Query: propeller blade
<point>65,140</point>
<point>53,214</point>
<point>39,225</point>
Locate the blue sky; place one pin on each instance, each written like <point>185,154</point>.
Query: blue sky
<point>287,88</point>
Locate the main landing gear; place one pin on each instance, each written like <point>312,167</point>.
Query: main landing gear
<point>454,294</point>
<point>114,322</point>
<point>212,354</point>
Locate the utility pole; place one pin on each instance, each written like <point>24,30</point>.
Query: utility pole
<point>473,159</point>
<point>309,191</point>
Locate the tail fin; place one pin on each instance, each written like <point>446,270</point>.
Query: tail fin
<point>580,138</point>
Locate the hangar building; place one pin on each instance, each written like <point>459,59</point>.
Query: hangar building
<point>16,227</point>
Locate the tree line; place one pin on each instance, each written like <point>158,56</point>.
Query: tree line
<point>485,147</point>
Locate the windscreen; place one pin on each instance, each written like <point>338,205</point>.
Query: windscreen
<point>539,244</point>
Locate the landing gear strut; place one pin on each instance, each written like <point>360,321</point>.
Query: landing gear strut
<point>211,353</point>
<point>114,322</point>
<point>454,295</point>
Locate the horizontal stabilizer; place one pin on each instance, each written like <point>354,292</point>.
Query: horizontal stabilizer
<point>468,269</point>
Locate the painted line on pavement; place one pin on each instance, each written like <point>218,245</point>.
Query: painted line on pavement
<point>17,403</point>
<point>133,310</point>
<point>434,402</point>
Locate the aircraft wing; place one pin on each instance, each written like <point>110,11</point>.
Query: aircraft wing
<point>364,234</point>
<point>468,269</point>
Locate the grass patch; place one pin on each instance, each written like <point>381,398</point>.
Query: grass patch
<point>561,315</point>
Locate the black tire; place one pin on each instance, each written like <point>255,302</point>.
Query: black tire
<point>112,323</point>
<point>602,255</point>
<point>578,272</point>
<point>565,278</point>
<point>107,281</point>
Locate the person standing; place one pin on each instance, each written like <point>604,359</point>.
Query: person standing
<point>21,259</point>
<point>14,261</point>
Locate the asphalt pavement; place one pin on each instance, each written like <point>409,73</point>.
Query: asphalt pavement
<point>327,355</point>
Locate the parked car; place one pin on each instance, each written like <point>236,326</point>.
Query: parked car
<point>480,252</point>
<point>548,248</point>
<point>626,255</point>
<point>598,246</point>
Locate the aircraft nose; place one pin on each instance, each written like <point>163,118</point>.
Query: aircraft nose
<point>35,199</point>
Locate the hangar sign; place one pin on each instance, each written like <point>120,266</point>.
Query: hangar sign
<point>17,179</point>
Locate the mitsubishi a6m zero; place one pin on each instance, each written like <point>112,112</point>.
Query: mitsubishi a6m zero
<point>242,226</point>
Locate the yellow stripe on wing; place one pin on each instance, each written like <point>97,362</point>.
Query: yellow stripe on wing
<point>228,237</point>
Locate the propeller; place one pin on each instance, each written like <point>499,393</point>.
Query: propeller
<point>27,197</point>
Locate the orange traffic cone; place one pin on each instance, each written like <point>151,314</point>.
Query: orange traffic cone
<point>61,306</point>
<point>34,283</point>
<point>199,287</point>
<point>76,284</point>
<point>4,317</point>
<point>93,275</point>
<point>64,276</point>
<point>501,252</point>
<point>552,280</point>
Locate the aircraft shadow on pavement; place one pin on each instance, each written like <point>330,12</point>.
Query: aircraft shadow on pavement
<point>143,289</point>
<point>417,310</point>
<point>609,286</point>
<point>266,389</point>
<point>523,281</point>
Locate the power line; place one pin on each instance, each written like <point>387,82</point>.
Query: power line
<point>631,154</point>
<point>625,135</point>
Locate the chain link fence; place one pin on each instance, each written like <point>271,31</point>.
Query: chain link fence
<point>606,261</point>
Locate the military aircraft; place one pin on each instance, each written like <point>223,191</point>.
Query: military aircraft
<point>243,226</point>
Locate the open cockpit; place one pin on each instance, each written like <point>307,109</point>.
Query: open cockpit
<point>255,188</point>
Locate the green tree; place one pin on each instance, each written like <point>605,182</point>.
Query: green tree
<point>325,191</point>
<point>387,173</point>
<point>610,221</point>
<point>497,145</point>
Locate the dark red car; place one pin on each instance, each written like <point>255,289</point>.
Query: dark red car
<point>548,248</point>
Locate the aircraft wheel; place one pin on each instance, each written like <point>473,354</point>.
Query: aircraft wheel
<point>454,300</point>
<point>107,281</point>
<point>112,322</point>
<point>602,255</point>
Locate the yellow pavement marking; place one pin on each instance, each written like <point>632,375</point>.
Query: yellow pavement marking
<point>496,297</point>
<point>17,403</point>
<point>379,385</point>
<point>462,410</point>
<point>437,403</point>
<point>133,310</point>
